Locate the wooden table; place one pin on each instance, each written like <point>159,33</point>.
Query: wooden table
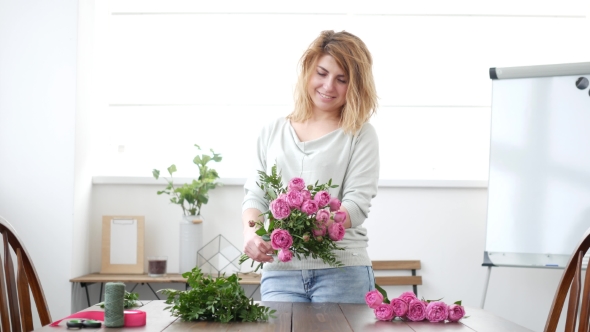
<point>89,279</point>
<point>304,317</point>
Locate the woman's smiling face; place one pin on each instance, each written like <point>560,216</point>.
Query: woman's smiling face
<point>327,85</point>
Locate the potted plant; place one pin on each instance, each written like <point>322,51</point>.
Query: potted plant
<point>191,197</point>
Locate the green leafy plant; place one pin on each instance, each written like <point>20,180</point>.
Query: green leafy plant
<point>191,196</point>
<point>218,299</point>
<point>129,300</point>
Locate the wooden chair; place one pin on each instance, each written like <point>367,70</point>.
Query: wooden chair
<point>15,301</point>
<point>412,280</point>
<point>571,282</point>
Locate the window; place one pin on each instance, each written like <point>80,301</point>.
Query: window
<point>169,74</point>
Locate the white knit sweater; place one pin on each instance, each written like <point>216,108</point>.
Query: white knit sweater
<point>352,162</point>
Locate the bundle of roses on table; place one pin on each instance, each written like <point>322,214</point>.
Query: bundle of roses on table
<point>408,307</point>
<point>303,220</point>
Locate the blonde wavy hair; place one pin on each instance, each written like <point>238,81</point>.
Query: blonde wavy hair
<point>352,55</point>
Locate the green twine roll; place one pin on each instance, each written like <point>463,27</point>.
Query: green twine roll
<point>113,304</point>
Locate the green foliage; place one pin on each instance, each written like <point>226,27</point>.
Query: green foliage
<point>214,299</point>
<point>192,196</point>
<point>129,300</point>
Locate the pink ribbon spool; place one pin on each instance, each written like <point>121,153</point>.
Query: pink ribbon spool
<point>132,318</point>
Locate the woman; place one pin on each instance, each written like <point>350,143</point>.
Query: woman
<point>327,136</point>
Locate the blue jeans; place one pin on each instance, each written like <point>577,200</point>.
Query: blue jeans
<point>339,285</point>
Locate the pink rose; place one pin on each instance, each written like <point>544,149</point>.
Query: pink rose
<point>285,255</point>
<point>309,207</point>
<point>340,216</point>
<point>322,216</point>
<point>294,199</point>
<point>306,195</point>
<point>408,297</point>
<point>416,310</point>
<point>437,311</point>
<point>320,229</point>
<point>296,184</point>
<point>336,231</point>
<point>305,237</point>
<point>280,239</point>
<point>456,312</point>
<point>400,308</point>
<point>334,204</point>
<point>383,311</point>
<point>322,197</point>
<point>373,298</point>
<point>280,208</point>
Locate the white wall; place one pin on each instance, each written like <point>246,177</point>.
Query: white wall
<point>443,227</point>
<point>38,45</point>
<point>84,115</point>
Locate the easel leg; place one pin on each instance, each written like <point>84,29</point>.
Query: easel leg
<point>485,290</point>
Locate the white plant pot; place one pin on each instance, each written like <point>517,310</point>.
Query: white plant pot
<point>191,240</point>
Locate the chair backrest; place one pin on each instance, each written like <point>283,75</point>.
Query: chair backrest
<point>571,283</point>
<point>397,280</point>
<point>17,281</point>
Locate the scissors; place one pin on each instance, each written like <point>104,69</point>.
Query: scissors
<point>83,323</point>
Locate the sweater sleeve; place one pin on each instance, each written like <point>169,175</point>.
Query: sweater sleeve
<point>254,196</point>
<point>362,175</point>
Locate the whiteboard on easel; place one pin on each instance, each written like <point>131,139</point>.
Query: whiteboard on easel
<point>539,180</point>
<point>122,244</point>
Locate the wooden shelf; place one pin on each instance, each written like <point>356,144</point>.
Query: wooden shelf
<point>247,278</point>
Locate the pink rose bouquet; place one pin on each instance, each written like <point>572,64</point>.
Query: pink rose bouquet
<point>416,310</point>
<point>400,308</point>
<point>285,255</point>
<point>437,311</point>
<point>456,312</point>
<point>408,307</point>
<point>295,199</point>
<point>336,231</point>
<point>322,197</point>
<point>383,311</point>
<point>302,221</point>
<point>280,208</point>
<point>373,298</point>
<point>408,297</point>
<point>296,184</point>
<point>334,204</point>
<point>309,207</point>
<point>280,239</point>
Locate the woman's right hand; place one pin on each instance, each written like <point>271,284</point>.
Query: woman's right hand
<point>254,246</point>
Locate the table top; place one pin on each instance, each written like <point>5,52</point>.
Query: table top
<point>247,278</point>
<point>304,317</point>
